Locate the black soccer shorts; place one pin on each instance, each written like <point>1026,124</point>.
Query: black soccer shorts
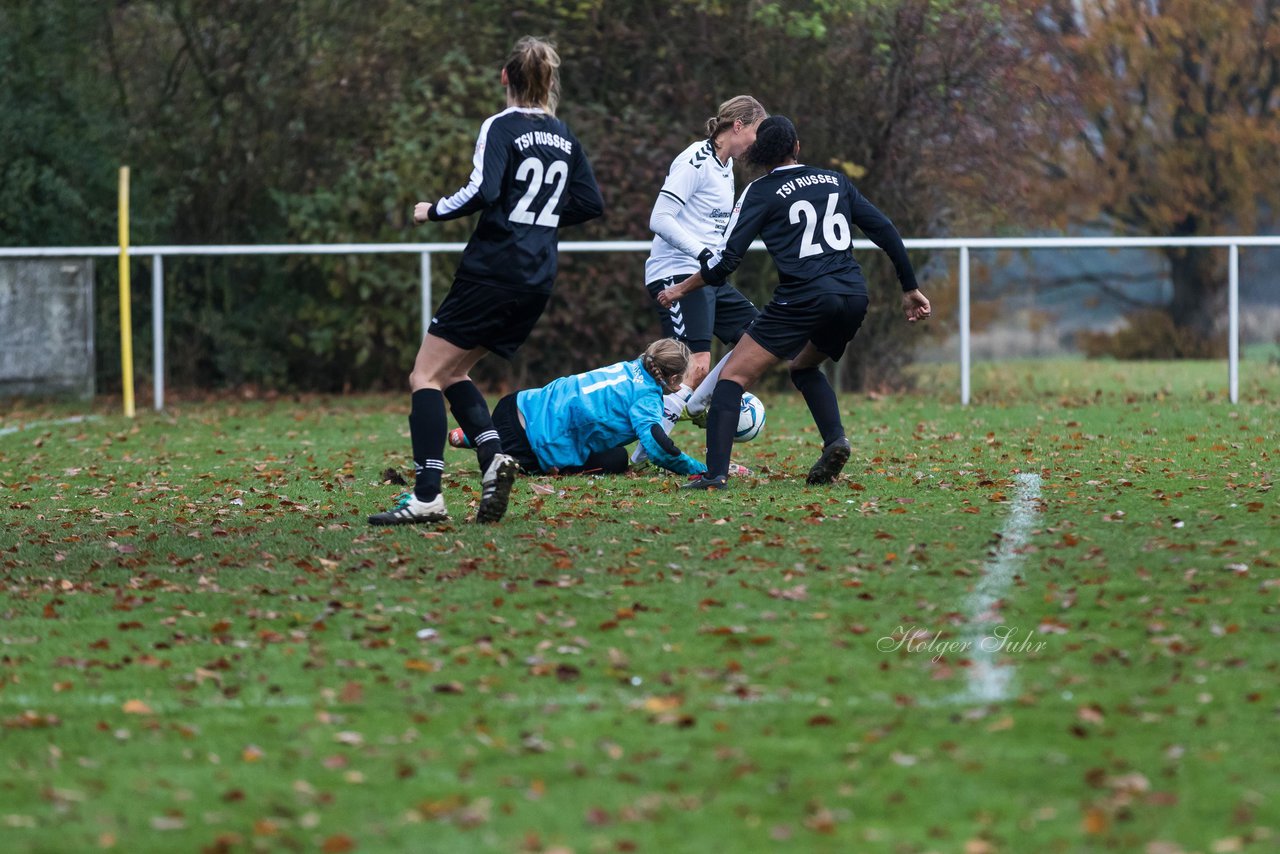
<point>478,315</point>
<point>722,311</point>
<point>829,320</point>
<point>512,435</point>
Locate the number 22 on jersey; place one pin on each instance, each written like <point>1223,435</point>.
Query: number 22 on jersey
<point>532,170</point>
<point>835,227</point>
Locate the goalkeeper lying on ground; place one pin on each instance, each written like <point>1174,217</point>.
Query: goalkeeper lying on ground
<point>582,424</point>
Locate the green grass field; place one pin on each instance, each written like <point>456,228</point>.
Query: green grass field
<point>1049,622</point>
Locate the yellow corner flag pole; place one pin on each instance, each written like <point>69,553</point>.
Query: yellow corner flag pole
<point>126,317</point>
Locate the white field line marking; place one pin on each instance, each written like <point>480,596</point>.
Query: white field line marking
<point>74,419</point>
<point>989,680</point>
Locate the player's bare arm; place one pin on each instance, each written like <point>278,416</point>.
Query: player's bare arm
<point>421,212</point>
<point>674,293</point>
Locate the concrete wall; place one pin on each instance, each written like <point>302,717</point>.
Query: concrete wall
<point>46,327</point>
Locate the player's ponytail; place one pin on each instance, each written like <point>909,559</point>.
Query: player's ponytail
<point>666,361</point>
<point>742,108</point>
<point>533,74</point>
<point>775,143</point>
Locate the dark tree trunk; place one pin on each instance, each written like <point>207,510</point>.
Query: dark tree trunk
<point>1199,287</point>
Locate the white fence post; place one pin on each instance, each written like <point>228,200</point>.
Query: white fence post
<point>964,325</point>
<point>157,330</point>
<point>1233,323</point>
<point>426,292</point>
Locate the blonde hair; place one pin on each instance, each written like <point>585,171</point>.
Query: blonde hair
<point>742,108</point>
<point>533,74</point>
<point>666,361</point>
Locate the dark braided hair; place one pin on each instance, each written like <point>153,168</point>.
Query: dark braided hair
<point>775,143</point>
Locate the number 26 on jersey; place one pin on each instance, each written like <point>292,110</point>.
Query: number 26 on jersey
<point>836,234</point>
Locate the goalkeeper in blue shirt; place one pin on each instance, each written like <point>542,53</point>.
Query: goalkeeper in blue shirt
<point>582,423</point>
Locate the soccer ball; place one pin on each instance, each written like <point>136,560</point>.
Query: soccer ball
<point>750,418</point>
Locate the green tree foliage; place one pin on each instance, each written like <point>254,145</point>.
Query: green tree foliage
<point>236,104</point>
<point>57,132</point>
<point>1175,132</point>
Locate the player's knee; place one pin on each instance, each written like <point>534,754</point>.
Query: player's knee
<point>801,377</point>
<point>699,367</point>
<point>422,379</point>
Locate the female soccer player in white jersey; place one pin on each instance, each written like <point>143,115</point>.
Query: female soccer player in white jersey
<point>804,215</point>
<point>530,178</point>
<point>688,221</point>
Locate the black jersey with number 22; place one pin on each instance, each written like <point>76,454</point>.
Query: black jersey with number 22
<point>804,216</point>
<point>529,177</point>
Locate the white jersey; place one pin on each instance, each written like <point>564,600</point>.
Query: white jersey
<point>703,187</point>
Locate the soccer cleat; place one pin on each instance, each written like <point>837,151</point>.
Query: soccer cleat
<point>698,418</point>
<point>832,461</point>
<point>409,511</point>
<point>459,439</point>
<point>495,488</point>
<point>739,470</point>
<point>701,481</point>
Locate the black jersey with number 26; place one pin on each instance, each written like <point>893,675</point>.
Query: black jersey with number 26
<point>804,216</point>
<point>529,178</point>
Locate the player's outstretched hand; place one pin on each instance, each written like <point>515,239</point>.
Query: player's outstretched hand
<point>916,305</point>
<point>421,212</point>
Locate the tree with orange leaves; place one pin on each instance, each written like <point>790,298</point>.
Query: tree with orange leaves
<point>1172,105</point>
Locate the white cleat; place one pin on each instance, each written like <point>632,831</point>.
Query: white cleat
<point>410,511</point>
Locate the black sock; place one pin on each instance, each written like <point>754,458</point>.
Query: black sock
<point>821,401</point>
<point>722,423</point>
<point>428,431</point>
<point>472,414</point>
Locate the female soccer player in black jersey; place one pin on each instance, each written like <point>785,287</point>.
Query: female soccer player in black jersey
<point>804,215</point>
<point>530,178</point>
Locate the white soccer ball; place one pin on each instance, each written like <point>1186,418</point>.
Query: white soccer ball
<point>750,418</point>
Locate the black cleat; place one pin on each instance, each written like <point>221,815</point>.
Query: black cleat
<point>701,481</point>
<point>495,488</point>
<point>832,461</point>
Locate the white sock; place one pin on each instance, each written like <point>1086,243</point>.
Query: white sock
<point>672,408</point>
<point>702,395</point>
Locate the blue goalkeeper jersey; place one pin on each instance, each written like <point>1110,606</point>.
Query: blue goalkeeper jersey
<point>573,417</point>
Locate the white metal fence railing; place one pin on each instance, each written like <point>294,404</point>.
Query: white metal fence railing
<point>425,250</point>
